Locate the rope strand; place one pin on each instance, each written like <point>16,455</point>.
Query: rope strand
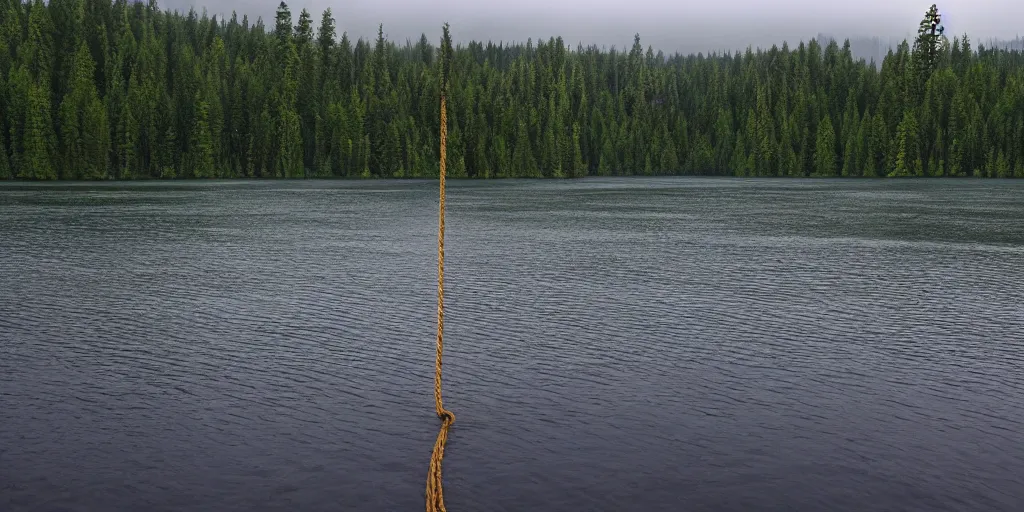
<point>435,492</point>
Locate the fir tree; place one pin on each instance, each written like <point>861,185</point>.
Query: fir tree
<point>200,151</point>
<point>98,89</point>
<point>37,160</point>
<point>907,157</point>
<point>5,167</point>
<point>825,149</point>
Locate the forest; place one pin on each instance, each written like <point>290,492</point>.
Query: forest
<point>97,90</point>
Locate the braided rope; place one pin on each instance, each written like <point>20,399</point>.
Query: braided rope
<point>435,493</point>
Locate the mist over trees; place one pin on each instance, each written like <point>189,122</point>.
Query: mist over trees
<point>91,89</point>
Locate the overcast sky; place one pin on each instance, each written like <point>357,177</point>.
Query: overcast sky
<point>686,26</point>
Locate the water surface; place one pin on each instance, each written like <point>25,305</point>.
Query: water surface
<point>635,344</point>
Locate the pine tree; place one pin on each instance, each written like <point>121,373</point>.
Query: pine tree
<point>787,157</point>
<point>764,155</point>
<point>848,135</point>
<point>579,167</point>
<point>1003,169</point>
<point>18,86</point>
<point>264,146</point>
<point>200,152</point>
<point>502,158</point>
<point>283,26</point>
<point>523,162</point>
<point>606,165</point>
<point>669,162</point>
<point>927,47</point>
<point>38,50</point>
<point>956,157</point>
<point>805,157</point>
<point>126,131</point>
<point>483,168</point>
<point>83,123</point>
<point>304,30</point>
<point>289,153</point>
<point>825,149</point>
<point>392,145</point>
<point>849,156</point>
<point>288,162</point>
<point>551,157</point>
<point>98,89</point>
<point>322,167</point>
<point>5,167</point>
<point>907,149</point>
<point>865,140</point>
<point>37,162</point>
<point>989,169</point>
<point>739,162</point>
<point>95,141</point>
<point>165,153</point>
<point>325,41</point>
<point>363,158</point>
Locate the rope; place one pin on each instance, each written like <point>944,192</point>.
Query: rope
<point>435,493</point>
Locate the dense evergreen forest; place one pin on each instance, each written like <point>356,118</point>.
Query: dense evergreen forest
<point>91,89</point>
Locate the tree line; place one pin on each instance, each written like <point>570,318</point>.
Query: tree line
<point>94,89</point>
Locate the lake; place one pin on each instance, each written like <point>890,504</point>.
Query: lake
<point>611,344</point>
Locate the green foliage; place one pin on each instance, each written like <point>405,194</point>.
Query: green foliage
<point>5,167</point>
<point>928,47</point>
<point>825,149</point>
<point>106,90</point>
<point>908,157</point>
<point>1003,169</point>
<point>84,135</point>
<point>37,159</point>
<point>199,157</point>
<point>38,53</point>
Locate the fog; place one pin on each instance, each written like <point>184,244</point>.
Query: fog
<point>687,27</point>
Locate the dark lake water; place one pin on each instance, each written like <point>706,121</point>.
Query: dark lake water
<point>640,344</point>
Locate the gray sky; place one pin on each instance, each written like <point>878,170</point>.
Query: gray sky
<point>685,26</point>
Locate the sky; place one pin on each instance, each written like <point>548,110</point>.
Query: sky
<point>686,26</point>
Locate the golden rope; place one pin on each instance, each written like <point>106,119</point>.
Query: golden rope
<point>435,493</point>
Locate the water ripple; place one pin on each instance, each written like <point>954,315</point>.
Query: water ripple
<point>658,344</point>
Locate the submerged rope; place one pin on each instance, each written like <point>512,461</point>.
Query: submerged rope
<point>435,493</point>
